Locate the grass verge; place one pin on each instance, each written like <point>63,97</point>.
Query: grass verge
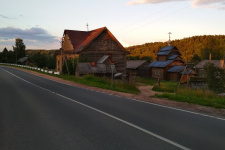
<point>200,97</point>
<point>165,86</point>
<point>104,83</point>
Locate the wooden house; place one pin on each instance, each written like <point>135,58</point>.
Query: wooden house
<point>91,47</point>
<point>138,67</point>
<point>169,65</point>
<point>25,61</point>
<point>200,66</point>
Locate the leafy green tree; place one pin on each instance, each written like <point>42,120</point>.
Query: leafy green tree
<point>51,63</point>
<point>40,60</point>
<point>4,56</point>
<point>72,64</point>
<point>215,77</point>
<point>19,49</point>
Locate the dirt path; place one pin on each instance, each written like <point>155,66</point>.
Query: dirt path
<point>145,93</point>
<point>146,90</point>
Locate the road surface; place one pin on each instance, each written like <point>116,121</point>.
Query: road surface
<point>40,114</point>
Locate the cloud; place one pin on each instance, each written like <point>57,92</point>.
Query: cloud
<point>5,17</point>
<point>34,36</point>
<point>215,4</point>
<point>135,2</point>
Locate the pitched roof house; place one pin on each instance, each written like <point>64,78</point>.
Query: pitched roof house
<point>200,66</point>
<point>138,67</point>
<point>92,46</point>
<point>169,65</point>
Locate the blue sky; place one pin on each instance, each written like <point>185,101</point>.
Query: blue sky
<point>41,23</point>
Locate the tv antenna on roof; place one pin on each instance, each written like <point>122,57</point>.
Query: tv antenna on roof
<point>87,26</point>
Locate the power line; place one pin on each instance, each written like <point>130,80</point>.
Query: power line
<point>162,10</point>
<point>154,21</point>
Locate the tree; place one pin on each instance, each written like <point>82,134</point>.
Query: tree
<point>51,63</point>
<point>4,56</point>
<point>72,64</point>
<point>196,59</point>
<point>215,77</point>
<point>40,60</point>
<point>19,48</point>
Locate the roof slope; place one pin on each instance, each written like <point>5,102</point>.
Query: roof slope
<point>134,64</point>
<point>167,50</point>
<point>160,64</point>
<point>176,69</point>
<point>82,39</point>
<point>217,63</point>
<point>87,68</point>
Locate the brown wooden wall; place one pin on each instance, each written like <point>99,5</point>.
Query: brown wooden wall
<point>162,58</point>
<point>158,72</point>
<point>67,45</point>
<point>59,59</point>
<point>173,76</point>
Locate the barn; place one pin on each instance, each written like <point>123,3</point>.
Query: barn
<point>90,47</point>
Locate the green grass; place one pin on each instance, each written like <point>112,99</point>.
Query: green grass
<point>165,86</point>
<point>200,97</point>
<point>103,82</point>
<point>94,81</point>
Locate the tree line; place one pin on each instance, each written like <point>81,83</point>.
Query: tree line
<point>40,58</point>
<point>192,48</point>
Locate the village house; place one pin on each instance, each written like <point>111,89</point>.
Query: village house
<point>200,66</point>
<point>97,50</point>
<point>170,66</point>
<point>25,61</point>
<point>138,67</point>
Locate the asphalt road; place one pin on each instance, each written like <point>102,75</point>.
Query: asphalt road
<point>37,113</point>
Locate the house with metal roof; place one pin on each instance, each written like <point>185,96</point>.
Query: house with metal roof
<point>138,67</point>
<point>25,61</point>
<point>94,46</point>
<point>169,65</point>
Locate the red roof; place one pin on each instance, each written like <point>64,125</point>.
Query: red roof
<point>82,39</point>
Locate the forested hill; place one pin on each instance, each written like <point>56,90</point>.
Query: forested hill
<point>200,45</point>
<point>31,52</point>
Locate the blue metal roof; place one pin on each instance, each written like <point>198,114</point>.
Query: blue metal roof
<point>160,64</point>
<point>189,71</point>
<point>163,53</point>
<point>176,69</point>
<point>172,57</point>
<point>167,48</point>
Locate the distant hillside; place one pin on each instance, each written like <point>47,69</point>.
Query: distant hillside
<point>200,45</point>
<point>30,52</point>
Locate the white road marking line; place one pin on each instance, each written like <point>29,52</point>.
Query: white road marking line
<point>136,99</point>
<point>104,113</point>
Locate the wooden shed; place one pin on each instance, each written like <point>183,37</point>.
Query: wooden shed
<point>138,67</point>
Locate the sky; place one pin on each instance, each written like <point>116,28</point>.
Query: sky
<point>133,22</point>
